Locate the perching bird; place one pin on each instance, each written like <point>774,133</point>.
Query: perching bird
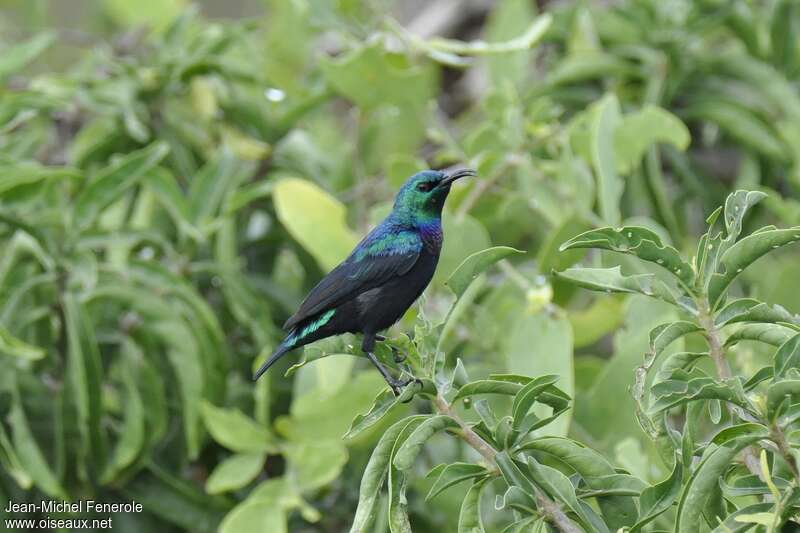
<point>380,279</point>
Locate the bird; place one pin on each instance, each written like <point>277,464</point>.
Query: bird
<point>381,278</point>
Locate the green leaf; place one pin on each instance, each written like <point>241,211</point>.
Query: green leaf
<point>704,480</point>
<point>638,241</point>
<point>783,35</point>
<point>742,254</point>
<point>750,310</point>
<point>591,324</point>
<point>611,280</point>
<point>407,453</point>
<point>665,334</point>
<point>393,78</point>
<point>618,511</point>
<point>30,454</point>
<point>257,515</point>
<point>14,347</point>
<point>167,191</point>
<point>774,334</point>
<point>523,42</point>
<point>780,391</point>
<point>475,265</point>
<point>741,124</point>
<point>673,392</point>
<point>745,429</point>
<point>643,128</point>
<point>211,184</point>
<point>677,361</point>
<point>739,521</point>
<point>234,430</point>
<point>314,219</point>
<point>17,56</point>
<point>452,474</point>
<point>737,204</point>
<point>787,356</point>
<point>315,464</point>
<point>658,498</point>
<point>751,486</point>
<point>525,398</point>
<point>85,375</point>
<point>506,20</point>
<point>541,344</point>
<point>150,13</point>
<point>383,404</point>
<point>132,436</point>
<point>558,486</point>
<point>26,173</point>
<point>375,471</point>
<point>235,472</point>
<point>609,185</point>
<point>114,180</point>
<point>487,386</point>
<point>469,518</point>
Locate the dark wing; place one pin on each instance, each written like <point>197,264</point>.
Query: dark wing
<point>375,261</point>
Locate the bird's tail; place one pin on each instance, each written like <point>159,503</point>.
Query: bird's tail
<point>298,336</point>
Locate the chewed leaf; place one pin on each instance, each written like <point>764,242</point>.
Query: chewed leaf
<point>744,253</point>
<point>612,280</point>
<point>641,242</point>
<point>475,265</point>
<point>684,387</point>
<point>663,335</point>
<point>736,206</point>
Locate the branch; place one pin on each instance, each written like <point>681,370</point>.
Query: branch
<point>717,353</point>
<point>549,509</point>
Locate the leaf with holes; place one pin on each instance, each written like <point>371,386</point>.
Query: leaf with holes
<point>640,242</point>
<point>742,254</point>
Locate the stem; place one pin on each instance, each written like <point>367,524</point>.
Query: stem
<point>469,436</point>
<point>549,509</point>
<point>717,353</point>
<point>779,439</point>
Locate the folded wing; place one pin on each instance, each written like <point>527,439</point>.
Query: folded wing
<point>376,260</point>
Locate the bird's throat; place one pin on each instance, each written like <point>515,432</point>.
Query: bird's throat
<point>431,233</point>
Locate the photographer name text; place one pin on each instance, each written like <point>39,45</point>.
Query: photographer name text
<point>81,506</point>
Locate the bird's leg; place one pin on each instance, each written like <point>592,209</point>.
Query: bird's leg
<point>398,357</point>
<point>397,385</point>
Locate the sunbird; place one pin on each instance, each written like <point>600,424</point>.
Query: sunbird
<point>380,279</point>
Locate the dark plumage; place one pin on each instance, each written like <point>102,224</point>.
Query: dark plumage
<point>380,279</point>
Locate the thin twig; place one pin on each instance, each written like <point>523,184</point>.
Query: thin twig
<point>549,509</point>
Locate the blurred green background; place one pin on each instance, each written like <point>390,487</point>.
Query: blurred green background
<point>176,176</point>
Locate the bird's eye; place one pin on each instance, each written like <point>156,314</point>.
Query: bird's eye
<point>425,186</point>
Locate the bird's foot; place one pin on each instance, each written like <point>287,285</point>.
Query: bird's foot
<point>398,385</point>
<point>398,357</point>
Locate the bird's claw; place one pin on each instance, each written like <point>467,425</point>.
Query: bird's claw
<point>398,385</point>
<point>398,357</point>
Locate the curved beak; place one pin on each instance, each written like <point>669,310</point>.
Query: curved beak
<point>456,174</point>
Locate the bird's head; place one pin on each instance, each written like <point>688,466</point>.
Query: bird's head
<point>424,193</point>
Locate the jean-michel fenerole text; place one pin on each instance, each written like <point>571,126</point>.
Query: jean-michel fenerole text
<point>80,506</point>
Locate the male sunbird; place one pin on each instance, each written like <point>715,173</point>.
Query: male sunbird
<point>380,279</point>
